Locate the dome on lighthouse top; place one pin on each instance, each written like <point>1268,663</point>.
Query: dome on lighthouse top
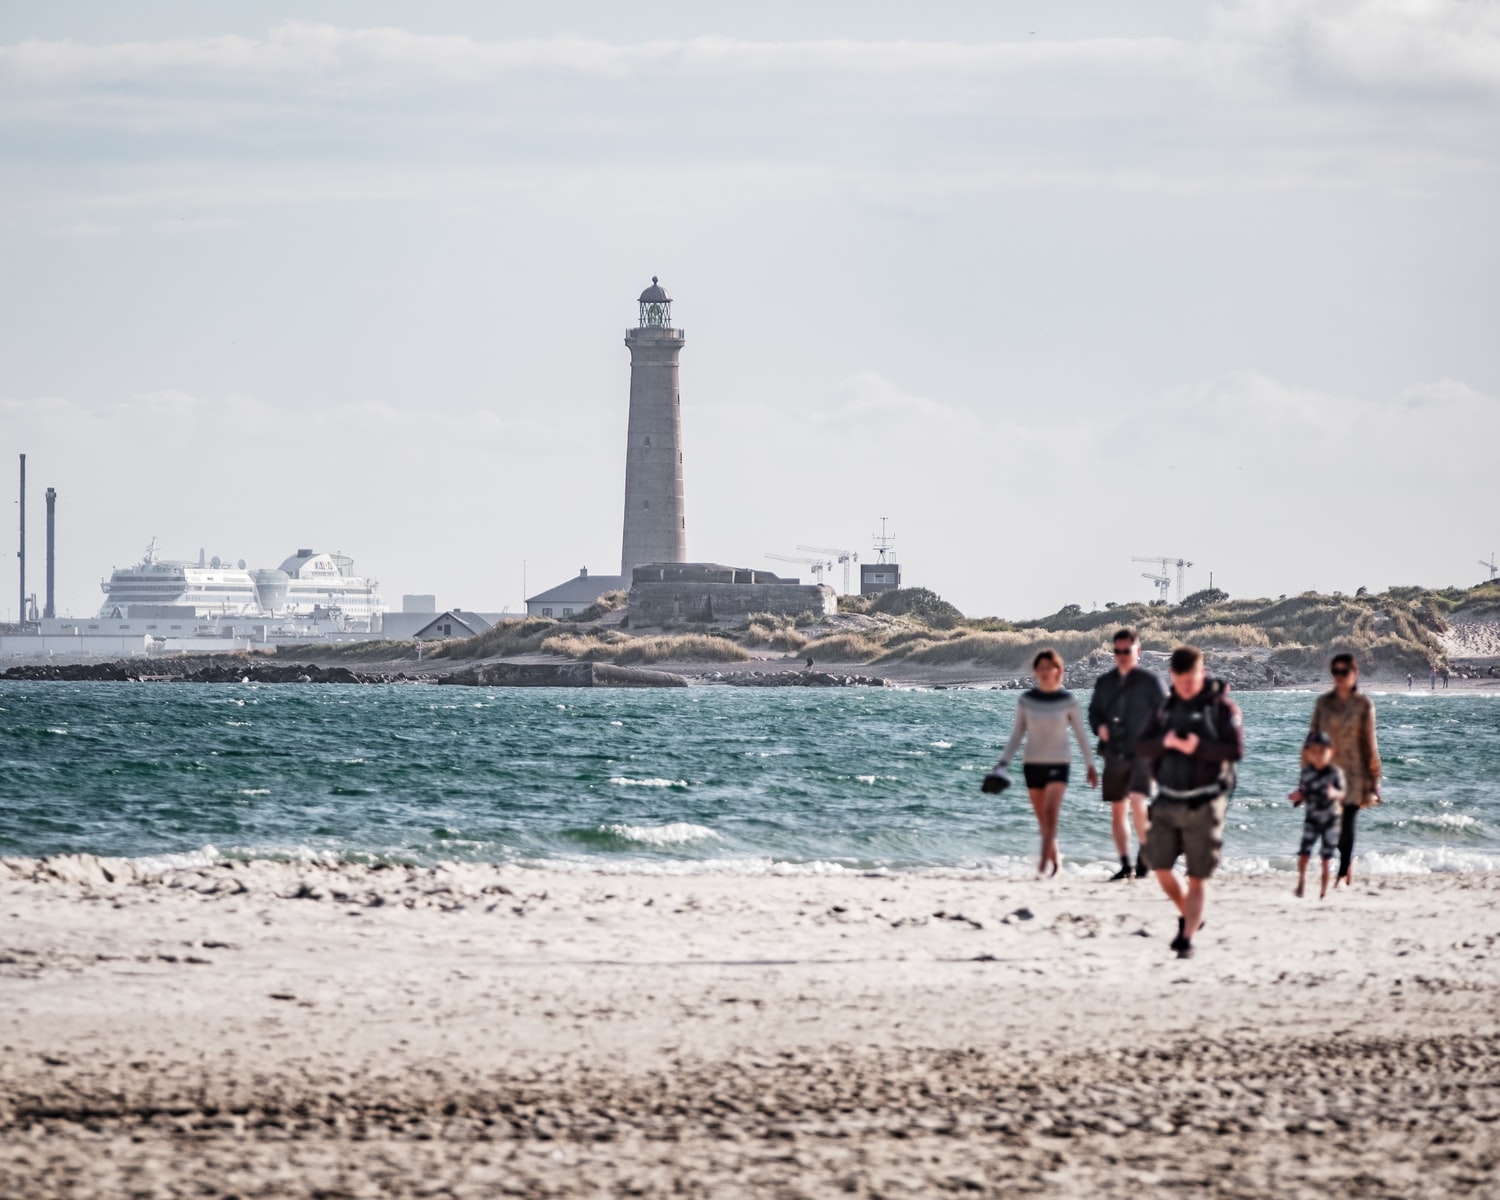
<point>656,306</point>
<point>655,294</point>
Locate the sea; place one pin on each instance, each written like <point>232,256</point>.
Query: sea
<point>782,781</point>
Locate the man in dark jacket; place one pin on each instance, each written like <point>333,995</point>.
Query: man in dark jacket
<point>1194,741</point>
<point>1123,706</point>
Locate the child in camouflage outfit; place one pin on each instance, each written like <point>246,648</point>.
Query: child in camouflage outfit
<point>1319,790</point>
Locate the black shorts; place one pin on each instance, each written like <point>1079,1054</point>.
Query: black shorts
<point>1124,776</point>
<point>1039,775</point>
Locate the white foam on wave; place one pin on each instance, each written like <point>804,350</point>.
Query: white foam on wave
<point>255,791</point>
<point>744,867</point>
<point>941,745</point>
<point>1443,820</point>
<point>160,864</point>
<point>623,781</point>
<point>675,833</point>
<point>1009,867</point>
<point>1437,860</point>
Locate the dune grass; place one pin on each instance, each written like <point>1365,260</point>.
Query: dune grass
<point>844,647</point>
<point>687,647</point>
<point>521,635</point>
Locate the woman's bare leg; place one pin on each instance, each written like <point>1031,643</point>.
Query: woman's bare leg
<point>1039,806</point>
<point>1052,807</point>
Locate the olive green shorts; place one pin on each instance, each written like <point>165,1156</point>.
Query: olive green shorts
<point>1195,833</point>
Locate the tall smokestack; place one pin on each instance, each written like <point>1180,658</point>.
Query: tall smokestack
<point>21,554</point>
<point>51,610</point>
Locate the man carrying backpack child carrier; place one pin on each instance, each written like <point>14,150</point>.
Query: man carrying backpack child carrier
<point>1194,740</point>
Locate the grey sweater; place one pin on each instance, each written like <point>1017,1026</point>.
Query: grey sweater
<point>1043,718</point>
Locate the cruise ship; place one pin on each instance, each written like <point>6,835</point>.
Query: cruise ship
<point>310,585</point>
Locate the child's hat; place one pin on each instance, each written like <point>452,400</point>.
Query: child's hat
<point>1318,738</point>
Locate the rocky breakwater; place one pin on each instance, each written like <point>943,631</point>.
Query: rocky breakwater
<point>793,679</point>
<point>569,674</point>
<point>225,670</point>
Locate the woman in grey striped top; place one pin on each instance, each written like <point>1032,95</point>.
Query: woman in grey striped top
<point>1043,717</point>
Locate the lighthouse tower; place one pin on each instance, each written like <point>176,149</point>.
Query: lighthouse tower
<point>655,523</point>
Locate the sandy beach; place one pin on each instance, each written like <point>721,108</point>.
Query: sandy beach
<point>282,1030</point>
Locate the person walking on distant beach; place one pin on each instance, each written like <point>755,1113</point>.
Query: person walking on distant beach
<point>1408,681</point>
<point>1320,788</point>
<point>1432,677</point>
<point>1043,717</point>
<point>1124,702</point>
<point>1347,716</point>
<point>1194,740</point>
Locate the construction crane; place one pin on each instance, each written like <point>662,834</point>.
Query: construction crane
<point>816,565</point>
<point>1167,563</point>
<point>844,556</point>
<point>1163,586</point>
<point>1488,566</point>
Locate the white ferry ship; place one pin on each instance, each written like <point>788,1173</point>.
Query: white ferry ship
<point>308,586</point>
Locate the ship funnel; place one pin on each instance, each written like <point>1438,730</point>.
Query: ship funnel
<point>271,587</point>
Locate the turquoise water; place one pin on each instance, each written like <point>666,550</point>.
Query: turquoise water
<point>749,780</point>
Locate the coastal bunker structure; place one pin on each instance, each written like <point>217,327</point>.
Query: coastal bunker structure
<point>655,520</point>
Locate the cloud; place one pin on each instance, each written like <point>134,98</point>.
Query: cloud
<point>84,229</point>
<point>868,398</point>
<point>198,225</point>
<point>1440,46</point>
<point>317,51</point>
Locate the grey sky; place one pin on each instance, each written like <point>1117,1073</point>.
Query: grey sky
<point>1211,280</point>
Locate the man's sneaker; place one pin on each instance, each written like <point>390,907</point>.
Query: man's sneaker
<point>1185,949</point>
<point>1180,941</point>
<point>1122,873</point>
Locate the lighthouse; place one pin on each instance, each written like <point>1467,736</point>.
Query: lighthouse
<point>655,523</point>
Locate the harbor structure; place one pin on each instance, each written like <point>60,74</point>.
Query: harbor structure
<point>655,517</point>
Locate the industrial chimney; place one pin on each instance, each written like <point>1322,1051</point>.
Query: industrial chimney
<point>21,554</point>
<point>51,610</point>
